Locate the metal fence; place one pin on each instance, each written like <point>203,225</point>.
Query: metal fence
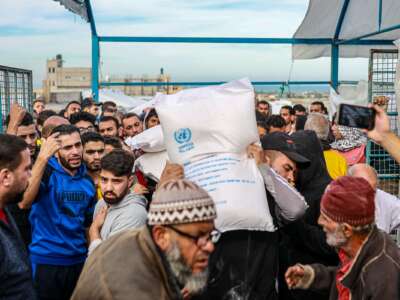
<point>382,76</point>
<point>15,86</point>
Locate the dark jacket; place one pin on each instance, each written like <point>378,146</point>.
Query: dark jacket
<point>375,273</point>
<point>244,264</point>
<point>306,237</point>
<point>15,272</point>
<point>21,218</point>
<point>127,266</point>
<point>311,181</point>
<point>304,241</point>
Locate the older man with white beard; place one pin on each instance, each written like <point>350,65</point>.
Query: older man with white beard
<point>165,260</point>
<point>387,206</point>
<point>369,259</point>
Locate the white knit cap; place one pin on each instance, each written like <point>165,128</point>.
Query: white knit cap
<point>180,201</point>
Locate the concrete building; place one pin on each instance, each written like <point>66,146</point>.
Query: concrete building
<point>145,90</point>
<point>64,84</point>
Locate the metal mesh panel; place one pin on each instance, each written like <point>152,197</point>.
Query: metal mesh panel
<point>15,86</point>
<point>382,79</point>
<point>382,75</point>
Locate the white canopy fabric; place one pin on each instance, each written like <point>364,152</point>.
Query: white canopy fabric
<point>361,17</point>
<point>76,6</point>
<point>122,100</point>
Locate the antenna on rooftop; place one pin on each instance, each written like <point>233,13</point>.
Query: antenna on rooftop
<point>59,60</point>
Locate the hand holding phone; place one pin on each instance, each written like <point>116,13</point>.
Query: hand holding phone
<point>381,101</point>
<point>356,116</point>
<point>381,129</point>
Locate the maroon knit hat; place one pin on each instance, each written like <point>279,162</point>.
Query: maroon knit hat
<point>349,200</point>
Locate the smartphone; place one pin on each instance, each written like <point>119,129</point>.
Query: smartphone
<point>356,116</point>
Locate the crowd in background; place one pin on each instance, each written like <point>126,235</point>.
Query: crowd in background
<point>69,195</point>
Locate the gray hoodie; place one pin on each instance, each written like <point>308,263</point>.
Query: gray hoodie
<point>127,214</point>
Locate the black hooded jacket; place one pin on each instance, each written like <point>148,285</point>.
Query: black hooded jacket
<point>304,241</point>
<point>312,181</point>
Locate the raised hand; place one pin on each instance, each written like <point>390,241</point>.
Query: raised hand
<point>100,218</point>
<point>256,152</point>
<point>139,189</point>
<point>382,125</point>
<point>17,113</point>
<point>171,171</point>
<point>98,221</point>
<point>185,294</point>
<point>294,275</point>
<point>50,146</point>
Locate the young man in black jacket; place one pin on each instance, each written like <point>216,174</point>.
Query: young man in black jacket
<point>15,272</point>
<point>244,264</point>
<point>303,241</point>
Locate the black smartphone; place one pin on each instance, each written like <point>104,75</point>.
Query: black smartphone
<point>356,116</point>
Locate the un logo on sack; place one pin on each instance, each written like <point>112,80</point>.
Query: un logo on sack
<point>183,135</point>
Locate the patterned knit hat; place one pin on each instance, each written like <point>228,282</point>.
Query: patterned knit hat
<point>349,200</point>
<point>180,201</point>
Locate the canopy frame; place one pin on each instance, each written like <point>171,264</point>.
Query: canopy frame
<point>334,42</point>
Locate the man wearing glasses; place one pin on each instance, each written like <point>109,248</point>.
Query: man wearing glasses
<point>85,122</point>
<point>165,260</point>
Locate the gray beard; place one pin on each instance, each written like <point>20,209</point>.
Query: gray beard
<point>336,239</point>
<point>194,283</point>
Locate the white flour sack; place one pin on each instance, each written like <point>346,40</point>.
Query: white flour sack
<point>153,161</point>
<point>152,164</point>
<point>150,140</point>
<point>237,188</point>
<point>208,120</point>
<point>208,130</point>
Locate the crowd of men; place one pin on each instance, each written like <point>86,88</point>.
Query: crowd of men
<point>78,220</point>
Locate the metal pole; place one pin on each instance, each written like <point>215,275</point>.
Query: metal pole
<point>95,67</point>
<point>214,40</point>
<point>380,15</point>
<point>205,83</point>
<point>95,51</point>
<point>357,39</point>
<point>2,100</point>
<point>30,90</point>
<point>335,66</point>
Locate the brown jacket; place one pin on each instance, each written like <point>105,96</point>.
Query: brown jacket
<point>126,266</point>
<point>375,273</point>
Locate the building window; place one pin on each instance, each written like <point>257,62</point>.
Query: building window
<point>49,70</point>
<point>67,77</point>
<point>54,70</point>
<point>54,83</point>
<point>83,78</point>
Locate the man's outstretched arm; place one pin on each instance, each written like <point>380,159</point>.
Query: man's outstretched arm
<point>47,150</point>
<point>382,134</point>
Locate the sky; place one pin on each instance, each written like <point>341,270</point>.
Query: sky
<point>32,31</point>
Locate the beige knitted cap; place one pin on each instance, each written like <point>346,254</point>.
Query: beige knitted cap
<point>180,201</point>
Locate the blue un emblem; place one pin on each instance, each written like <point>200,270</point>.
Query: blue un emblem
<point>183,135</point>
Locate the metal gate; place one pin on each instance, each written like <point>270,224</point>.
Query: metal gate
<point>15,86</point>
<point>382,76</point>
